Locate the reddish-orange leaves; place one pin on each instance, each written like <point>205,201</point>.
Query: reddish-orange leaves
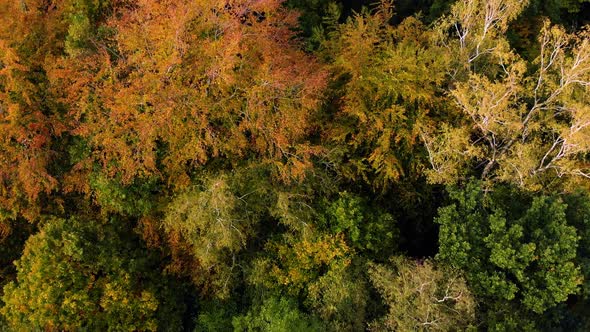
<point>27,123</point>
<point>200,80</point>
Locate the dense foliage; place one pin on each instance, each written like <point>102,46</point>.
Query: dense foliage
<point>294,165</point>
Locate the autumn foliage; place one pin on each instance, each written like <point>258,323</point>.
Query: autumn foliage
<point>198,80</point>
<point>278,165</point>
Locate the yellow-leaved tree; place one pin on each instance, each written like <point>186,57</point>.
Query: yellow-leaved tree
<point>525,122</point>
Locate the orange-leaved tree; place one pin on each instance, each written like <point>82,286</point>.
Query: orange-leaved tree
<point>29,117</point>
<point>166,86</point>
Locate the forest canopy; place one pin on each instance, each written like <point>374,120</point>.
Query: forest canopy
<point>294,165</point>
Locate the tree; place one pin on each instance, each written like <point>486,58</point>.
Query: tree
<point>368,228</point>
<point>84,274</point>
<point>215,315</point>
<point>319,268</point>
<point>213,223</point>
<point>29,115</point>
<point>513,249</point>
<point>422,296</point>
<point>277,315</point>
<point>170,86</point>
<point>524,122</point>
<point>386,81</point>
<point>316,16</point>
<point>578,216</point>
